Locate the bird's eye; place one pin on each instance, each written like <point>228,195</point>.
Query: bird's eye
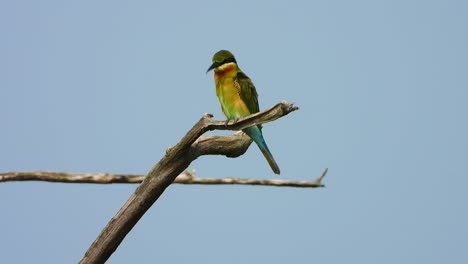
<point>228,60</point>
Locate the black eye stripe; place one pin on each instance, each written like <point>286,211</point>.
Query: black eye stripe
<point>228,60</point>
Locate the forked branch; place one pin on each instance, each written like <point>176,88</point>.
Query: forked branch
<point>173,163</point>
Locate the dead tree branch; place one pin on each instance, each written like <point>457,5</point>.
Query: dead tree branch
<point>173,163</point>
<point>186,177</point>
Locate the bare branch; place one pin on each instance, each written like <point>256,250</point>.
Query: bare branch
<point>65,177</point>
<point>185,177</point>
<point>188,178</point>
<point>174,162</point>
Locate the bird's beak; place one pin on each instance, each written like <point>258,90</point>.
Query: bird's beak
<point>214,65</point>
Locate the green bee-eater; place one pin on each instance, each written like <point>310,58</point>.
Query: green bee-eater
<point>238,98</point>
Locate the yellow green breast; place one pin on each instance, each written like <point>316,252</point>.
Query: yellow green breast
<point>231,102</point>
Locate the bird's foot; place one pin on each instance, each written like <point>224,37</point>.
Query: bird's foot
<point>233,121</point>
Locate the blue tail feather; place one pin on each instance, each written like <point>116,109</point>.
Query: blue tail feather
<point>256,134</point>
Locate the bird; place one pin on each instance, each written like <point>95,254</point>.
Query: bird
<point>238,98</point>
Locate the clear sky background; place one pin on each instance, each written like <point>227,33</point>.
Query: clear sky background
<point>107,86</point>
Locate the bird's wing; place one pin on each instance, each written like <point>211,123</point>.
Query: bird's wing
<point>247,92</point>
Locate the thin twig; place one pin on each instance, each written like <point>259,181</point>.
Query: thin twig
<point>187,177</point>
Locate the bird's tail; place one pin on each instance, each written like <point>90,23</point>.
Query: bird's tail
<point>256,134</point>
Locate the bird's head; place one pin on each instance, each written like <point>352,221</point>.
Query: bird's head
<point>222,60</point>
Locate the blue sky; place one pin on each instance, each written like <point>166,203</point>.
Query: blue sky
<point>107,86</point>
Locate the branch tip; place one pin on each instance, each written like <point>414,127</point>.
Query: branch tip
<point>208,115</point>
<point>319,179</point>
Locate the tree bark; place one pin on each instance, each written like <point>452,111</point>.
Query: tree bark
<point>186,177</point>
<point>176,160</point>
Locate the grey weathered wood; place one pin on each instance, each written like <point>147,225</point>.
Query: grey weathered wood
<point>186,177</point>
<point>174,162</point>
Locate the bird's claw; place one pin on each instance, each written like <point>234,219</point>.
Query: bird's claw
<point>233,121</point>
